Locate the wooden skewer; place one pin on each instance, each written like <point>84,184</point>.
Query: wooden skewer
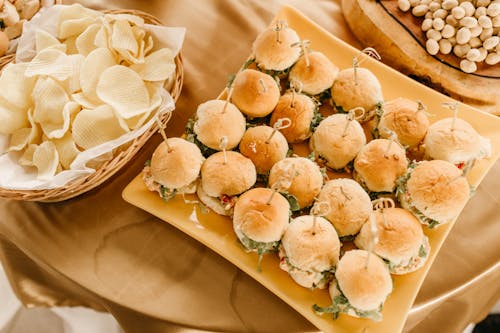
<point>263,86</point>
<point>454,107</point>
<point>370,51</point>
<point>320,208</point>
<point>374,232</point>
<point>280,124</point>
<point>222,146</point>
<point>280,25</point>
<point>351,115</point>
<point>161,129</point>
<point>296,87</point>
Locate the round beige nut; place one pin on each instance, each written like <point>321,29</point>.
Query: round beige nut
<point>476,31</point>
<point>404,5</point>
<point>487,33</point>
<point>451,20</point>
<point>461,50</point>
<point>473,55</point>
<point>475,42</point>
<point>440,13</point>
<point>485,22</point>
<point>482,54</point>
<point>492,59</point>
<point>493,9</point>
<point>427,24</point>
<point>432,46</point>
<point>468,7</point>
<point>463,35</point>
<point>448,31</point>
<point>480,11</point>
<point>482,3</point>
<point>496,21</point>
<point>420,10</point>
<point>438,24</point>
<point>468,22</point>
<point>425,2</point>
<point>434,5</point>
<point>449,4</point>
<point>491,42</point>
<point>445,46</point>
<point>452,40</point>
<point>414,3</point>
<point>433,34</point>
<point>458,12</point>
<point>468,66</point>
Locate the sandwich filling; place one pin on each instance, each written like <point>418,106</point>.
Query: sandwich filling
<point>191,137</point>
<point>412,264</point>
<point>165,193</point>
<point>340,304</point>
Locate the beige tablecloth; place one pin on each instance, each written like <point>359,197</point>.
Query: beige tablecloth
<point>98,251</point>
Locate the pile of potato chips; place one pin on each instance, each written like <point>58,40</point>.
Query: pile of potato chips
<point>98,79</point>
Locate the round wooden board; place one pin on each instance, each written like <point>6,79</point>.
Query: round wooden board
<point>401,43</point>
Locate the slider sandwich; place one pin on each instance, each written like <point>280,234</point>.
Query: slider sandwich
<point>379,164</point>
<point>434,191</point>
<point>350,206</point>
<point>456,141</point>
<point>173,169</point>
<point>357,87</point>
<point>406,118</point>
<point>264,146</point>
<point>298,179</point>
<point>309,251</point>
<point>400,240</point>
<point>337,141</point>
<point>360,287</point>
<point>255,93</point>
<point>260,219</point>
<point>303,113</point>
<point>274,50</point>
<point>223,178</point>
<point>315,72</point>
<point>215,121</point>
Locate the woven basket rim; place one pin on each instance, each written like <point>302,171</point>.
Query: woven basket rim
<point>108,169</point>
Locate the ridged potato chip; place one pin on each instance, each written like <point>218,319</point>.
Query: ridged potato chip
<point>94,127</point>
<point>72,83</point>
<point>26,158</point>
<point>45,40</point>
<point>46,160</point>
<point>26,135</point>
<point>50,99</point>
<point>67,150</point>
<point>133,19</point>
<point>93,66</point>
<point>70,45</point>
<point>103,36</point>
<point>124,90</point>
<point>158,66</point>
<point>123,39</point>
<point>85,102</point>
<point>15,87</point>
<point>85,42</point>
<point>11,117</point>
<point>50,62</point>
<point>74,19</point>
<point>58,130</point>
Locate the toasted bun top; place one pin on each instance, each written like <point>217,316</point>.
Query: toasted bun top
<point>178,167</point>
<point>259,219</point>
<point>336,145</point>
<point>399,235</point>
<point>438,189</point>
<point>274,55</point>
<point>459,145</point>
<point>231,178</point>
<point>303,176</point>
<point>365,288</point>
<point>301,114</point>
<point>311,247</point>
<point>403,117</point>
<point>213,123</point>
<point>264,153</point>
<point>255,93</point>
<point>350,205</point>
<point>318,76</point>
<point>348,95</point>
<point>378,167</point>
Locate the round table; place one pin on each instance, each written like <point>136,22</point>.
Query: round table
<point>98,251</point>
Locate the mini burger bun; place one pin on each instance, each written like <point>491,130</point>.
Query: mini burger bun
<point>333,145</point>
<point>306,177</point>
<point>309,247</point>
<point>177,167</point>
<point>438,190</point>
<point>403,117</point>
<point>378,168</point>
<point>264,153</point>
<point>271,55</point>
<point>212,123</point>
<point>399,233</point>
<point>318,76</point>
<point>366,94</point>
<point>459,145</point>
<point>365,288</point>
<point>231,178</point>
<point>259,220</point>
<point>301,115</point>
<point>255,93</point>
<point>350,205</point>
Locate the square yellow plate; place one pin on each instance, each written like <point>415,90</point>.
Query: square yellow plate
<point>216,232</point>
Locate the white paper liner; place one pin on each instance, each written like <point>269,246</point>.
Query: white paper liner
<point>15,177</point>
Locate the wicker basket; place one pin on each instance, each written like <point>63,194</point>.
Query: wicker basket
<point>122,155</point>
